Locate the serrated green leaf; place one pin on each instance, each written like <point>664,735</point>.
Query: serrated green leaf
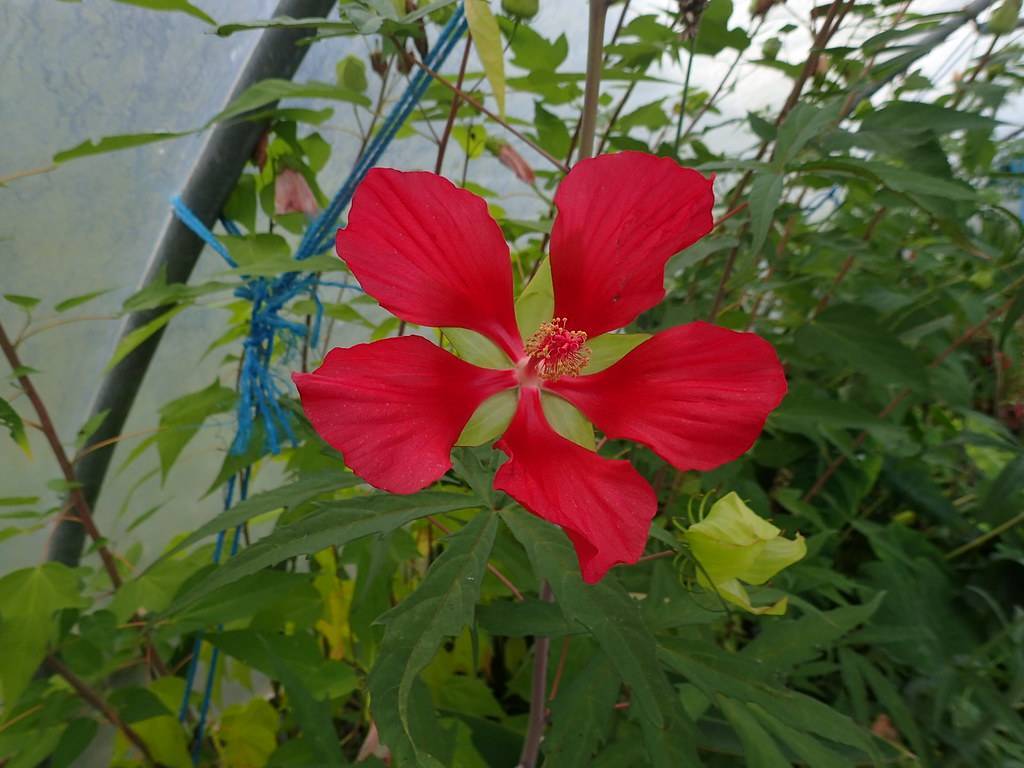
<point>581,715</point>
<point>417,627</point>
<point>759,747</point>
<point>287,496</point>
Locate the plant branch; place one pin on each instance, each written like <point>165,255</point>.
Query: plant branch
<point>592,85</point>
<point>995,533</point>
<point>77,497</point>
<point>97,702</point>
<point>538,697</point>
<point>446,135</point>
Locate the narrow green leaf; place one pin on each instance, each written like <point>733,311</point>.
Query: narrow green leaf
<point>10,419</point>
<point>287,22</point>
<point>179,6</point>
<point>287,496</point>
<point>417,627</point>
<point>487,41</point>
<point>805,122</point>
<point>24,302</point>
<point>335,523</point>
<point>805,746</point>
<point>765,194</point>
<point>759,747</point>
<point>314,717</point>
<point>181,419</point>
<point>115,143</point>
<point>139,335</point>
<point>89,428</point>
<point>77,301</point>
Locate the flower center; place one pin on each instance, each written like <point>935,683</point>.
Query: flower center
<point>555,351</point>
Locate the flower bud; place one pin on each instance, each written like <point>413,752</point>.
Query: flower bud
<point>511,159</point>
<point>292,194</point>
<point>733,545</point>
<point>524,9</point>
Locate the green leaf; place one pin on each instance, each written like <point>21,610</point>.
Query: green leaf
<point>258,95</point>
<point>528,618</point>
<point>322,678</point>
<point>894,705</point>
<point>116,143</point>
<point>179,6</point>
<point>805,746</point>
<point>350,73</point>
<point>314,717</point>
<point>73,741</point>
<point>287,22</point>
<point>487,41</point>
<point>1013,314</point>
<point>417,627</point>
<point>334,524</point>
<point>765,194</point>
<point>140,334</point>
<point>77,301</point>
<point>552,134</point>
<point>581,715</point>
<point>916,116</point>
<point>714,35</point>
<point>720,674</point>
<point>853,337</point>
<point>181,419</point>
<point>782,645</point>
<point>28,599</point>
<point>472,139</point>
<point>27,303</point>
<point>89,428</point>
<point>490,419</point>
<point>531,51</point>
<point>803,123</point>
<point>10,419</point>
<point>759,747</point>
<point>567,420</point>
<point>1001,500</point>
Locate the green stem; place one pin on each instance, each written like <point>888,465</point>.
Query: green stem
<point>686,92</point>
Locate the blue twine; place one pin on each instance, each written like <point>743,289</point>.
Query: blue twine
<point>259,393</point>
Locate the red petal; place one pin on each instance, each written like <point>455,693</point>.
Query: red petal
<point>431,254</point>
<point>620,218</point>
<point>395,408</point>
<point>605,506</point>
<point>698,395</point>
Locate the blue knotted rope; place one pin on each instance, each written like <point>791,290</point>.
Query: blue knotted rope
<point>259,392</point>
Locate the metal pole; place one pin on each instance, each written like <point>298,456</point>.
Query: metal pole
<point>211,180</point>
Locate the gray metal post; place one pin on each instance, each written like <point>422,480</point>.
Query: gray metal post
<point>211,180</point>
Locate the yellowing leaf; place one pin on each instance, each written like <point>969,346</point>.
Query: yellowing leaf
<point>487,41</point>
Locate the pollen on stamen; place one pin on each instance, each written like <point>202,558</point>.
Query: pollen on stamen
<point>555,351</point>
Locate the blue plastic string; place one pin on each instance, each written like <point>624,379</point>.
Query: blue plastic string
<point>259,391</point>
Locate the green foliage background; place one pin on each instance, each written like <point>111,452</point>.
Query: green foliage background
<point>868,232</point>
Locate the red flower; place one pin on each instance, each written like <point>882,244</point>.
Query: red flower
<point>697,395</point>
